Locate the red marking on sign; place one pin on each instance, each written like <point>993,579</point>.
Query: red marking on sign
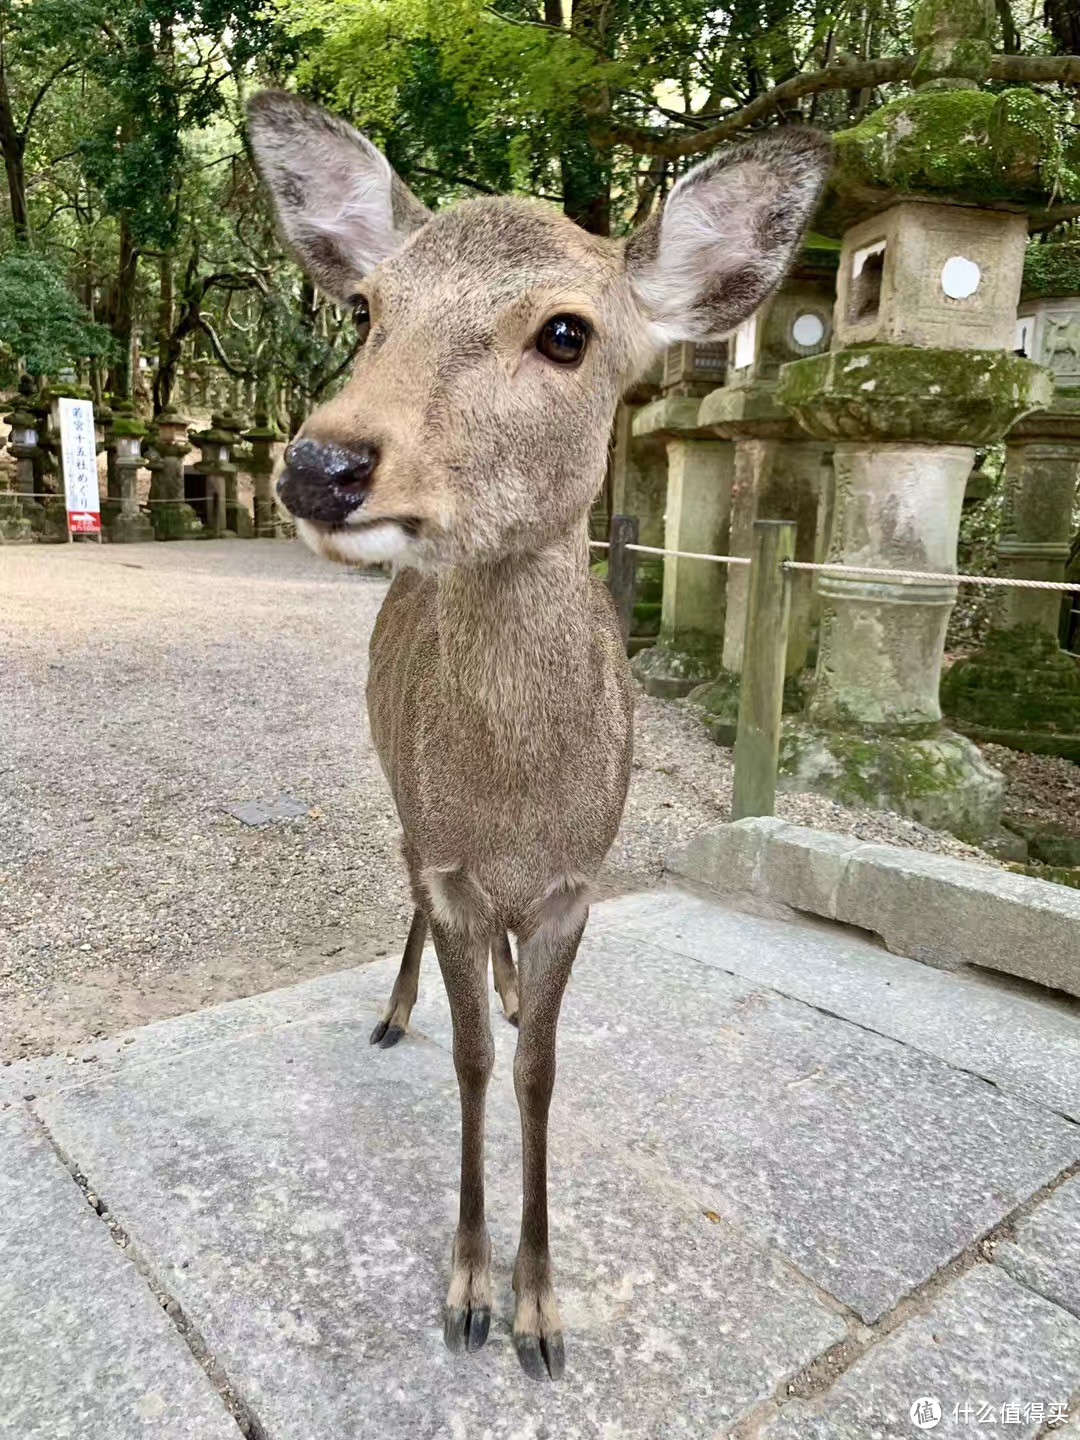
<point>84,522</point>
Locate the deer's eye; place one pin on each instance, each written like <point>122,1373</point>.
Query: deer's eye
<point>563,339</point>
<point>361,315</point>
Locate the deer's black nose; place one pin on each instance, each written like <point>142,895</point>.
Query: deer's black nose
<point>326,482</point>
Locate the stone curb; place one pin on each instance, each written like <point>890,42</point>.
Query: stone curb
<point>945,912</point>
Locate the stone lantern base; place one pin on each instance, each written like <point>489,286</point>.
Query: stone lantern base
<point>129,529</point>
<point>1019,690</point>
<point>938,778</point>
<point>176,520</point>
<point>14,526</point>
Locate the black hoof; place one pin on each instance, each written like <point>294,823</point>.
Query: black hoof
<point>543,1357</point>
<point>465,1329</point>
<point>392,1036</point>
<point>377,1034</point>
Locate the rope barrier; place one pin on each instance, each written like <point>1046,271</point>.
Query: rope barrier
<point>936,577</point>
<point>902,576</point>
<point>690,555</point>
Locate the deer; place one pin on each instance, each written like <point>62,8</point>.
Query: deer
<point>465,450</point>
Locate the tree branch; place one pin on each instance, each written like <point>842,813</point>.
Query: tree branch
<point>844,75</point>
<point>215,345</point>
<point>42,91</point>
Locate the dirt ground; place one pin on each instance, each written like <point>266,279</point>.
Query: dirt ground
<point>147,690</point>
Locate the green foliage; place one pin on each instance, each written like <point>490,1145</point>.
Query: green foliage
<point>42,326</point>
<point>1053,268</point>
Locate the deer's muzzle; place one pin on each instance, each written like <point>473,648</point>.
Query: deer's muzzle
<point>326,482</point>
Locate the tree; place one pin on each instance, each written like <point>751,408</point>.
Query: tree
<point>43,329</point>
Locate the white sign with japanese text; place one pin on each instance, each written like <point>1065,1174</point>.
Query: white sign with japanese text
<point>79,453</point>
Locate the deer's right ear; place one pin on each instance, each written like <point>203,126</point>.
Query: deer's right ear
<point>340,204</point>
<point>727,235</point>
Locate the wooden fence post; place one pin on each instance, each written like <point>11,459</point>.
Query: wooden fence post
<point>622,569</point>
<point>761,696</point>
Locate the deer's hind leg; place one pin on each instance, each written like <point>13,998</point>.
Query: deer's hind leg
<point>395,1021</point>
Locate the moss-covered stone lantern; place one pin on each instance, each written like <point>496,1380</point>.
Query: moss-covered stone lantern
<point>262,438</point>
<point>170,514</point>
<point>22,442</point>
<point>696,518</point>
<point>124,520</point>
<point>920,373</point>
<point>215,464</point>
<point>1021,689</point>
<point>779,473</point>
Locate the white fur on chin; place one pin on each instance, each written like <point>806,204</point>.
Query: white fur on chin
<point>384,542</point>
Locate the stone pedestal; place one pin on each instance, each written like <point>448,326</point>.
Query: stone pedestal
<point>262,438</point>
<point>170,514</point>
<point>905,422</point>
<point>699,475</point>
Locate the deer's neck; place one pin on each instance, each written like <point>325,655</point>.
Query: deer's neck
<point>514,637</point>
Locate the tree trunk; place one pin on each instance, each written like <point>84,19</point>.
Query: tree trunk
<point>13,144</point>
<point>586,173</point>
<point>122,313</point>
<point>169,343</point>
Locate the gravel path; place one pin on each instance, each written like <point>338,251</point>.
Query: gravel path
<point>146,689</point>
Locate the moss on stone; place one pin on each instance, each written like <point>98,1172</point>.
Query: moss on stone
<point>1019,681</point>
<point>678,662</point>
<point>907,392</point>
<point>940,779</point>
<point>968,145</point>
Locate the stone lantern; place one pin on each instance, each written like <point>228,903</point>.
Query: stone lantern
<point>215,463</point>
<point>125,522</point>
<point>779,473</point>
<point>920,373</point>
<point>22,442</point>
<point>237,516</point>
<point>262,438</point>
<point>1021,689</point>
<point>13,523</point>
<point>639,488</point>
<point>170,514</point>
<point>696,517</point>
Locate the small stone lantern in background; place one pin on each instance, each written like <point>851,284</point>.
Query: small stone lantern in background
<point>1021,689</point>
<point>14,525</point>
<point>22,442</point>
<point>237,516</point>
<point>124,520</point>
<point>170,514</point>
<point>215,464</point>
<point>920,373</point>
<point>262,438</point>
<point>780,473</point>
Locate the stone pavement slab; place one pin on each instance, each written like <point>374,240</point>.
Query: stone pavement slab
<point>1027,1044</point>
<point>731,1167</point>
<point>985,1344</point>
<point>296,1191</point>
<point>86,1352</point>
<point>1045,1254</point>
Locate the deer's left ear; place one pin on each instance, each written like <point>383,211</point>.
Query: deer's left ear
<point>727,234</point>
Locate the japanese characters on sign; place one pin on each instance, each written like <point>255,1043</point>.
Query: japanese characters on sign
<point>79,453</point>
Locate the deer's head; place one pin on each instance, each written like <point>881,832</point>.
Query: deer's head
<point>497,335</point>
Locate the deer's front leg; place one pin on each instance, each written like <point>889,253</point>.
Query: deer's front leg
<point>544,963</point>
<point>463,960</point>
